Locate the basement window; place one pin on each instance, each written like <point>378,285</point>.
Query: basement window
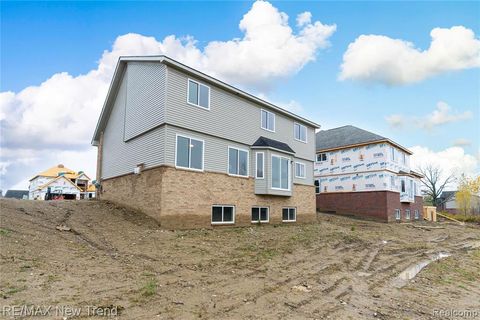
<point>397,214</point>
<point>407,214</point>
<point>289,214</point>
<point>260,215</point>
<point>223,214</point>
<point>417,216</point>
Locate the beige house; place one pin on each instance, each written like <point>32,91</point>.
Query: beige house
<point>192,151</point>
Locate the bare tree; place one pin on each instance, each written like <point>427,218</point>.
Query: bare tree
<point>434,182</point>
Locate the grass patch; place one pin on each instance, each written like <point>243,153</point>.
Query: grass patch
<point>13,290</point>
<point>149,288</point>
<point>5,232</point>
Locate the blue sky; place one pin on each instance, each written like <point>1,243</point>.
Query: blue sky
<point>45,38</point>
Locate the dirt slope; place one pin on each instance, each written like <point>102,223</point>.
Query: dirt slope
<point>339,268</point>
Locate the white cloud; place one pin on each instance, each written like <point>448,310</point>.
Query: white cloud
<point>292,105</point>
<point>395,120</point>
<point>60,114</point>
<point>452,160</point>
<point>462,142</point>
<point>441,115</point>
<point>380,59</point>
<point>304,18</point>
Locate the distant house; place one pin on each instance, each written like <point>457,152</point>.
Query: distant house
<point>59,183</point>
<point>448,203</point>
<point>17,194</point>
<point>361,173</point>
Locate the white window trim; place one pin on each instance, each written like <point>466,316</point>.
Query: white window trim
<point>223,206</point>
<point>228,162</point>
<point>398,214</point>
<point>416,214</point>
<point>288,173</point>
<point>408,216</point>
<point>189,155</point>
<point>261,221</point>
<point>306,132</point>
<point>304,170</point>
<point>295,220</point>
<point>198,94</point>
<point>274,120</point>
<point>256,165</point>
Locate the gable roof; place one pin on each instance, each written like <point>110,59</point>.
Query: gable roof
<point>16,194</point>
<point>270,143</point>
<point>117,76</point>
<point>348,136</point>
<point>58,178</point>
<point>59,169</point>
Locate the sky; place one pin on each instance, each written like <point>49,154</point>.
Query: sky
<point>406,70</point>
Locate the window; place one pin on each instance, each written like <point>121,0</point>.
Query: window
<point>237,162</point>
<point>198,94</point>
<point>268,120</point>
<point>300,170</point>
<point>402,183</point>
<point>260,214</point>
<point>397,214</point>
<point>280,173</point>
<point>404,158</point>
<point>392,182</point>
<point>289,214</point>
<point>317,186</point>
<point>259,165</point>
<point>392,153</point>
<point>223,214</point>
<point>321,157</point>
<point>417,216</point>
<point>407,214</point>
<point>300,132</point>
<point>189,153</point>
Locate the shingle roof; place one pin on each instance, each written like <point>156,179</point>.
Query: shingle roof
<point>17,194</point>
<point>270,143</point>
<point>344,136</point>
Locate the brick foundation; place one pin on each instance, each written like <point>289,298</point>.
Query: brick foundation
<point>378,205</point>
<point>183,199</point>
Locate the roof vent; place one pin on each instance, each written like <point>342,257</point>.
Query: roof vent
<point>60,166</point>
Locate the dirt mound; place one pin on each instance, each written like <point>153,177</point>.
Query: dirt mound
<point>92,253</point>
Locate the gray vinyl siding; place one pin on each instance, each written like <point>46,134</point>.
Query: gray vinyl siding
<point>121,157</point>
<point>230,117</point>
<point>145,99</point>
<point>151,108</point>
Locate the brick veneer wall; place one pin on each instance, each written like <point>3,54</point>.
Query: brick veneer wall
<point>379,205</point>
<point>182,199</point>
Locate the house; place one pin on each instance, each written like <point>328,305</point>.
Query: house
<point>448,203</point>
<point>364,174</point>
<point>192,151</point>
<point>17,194</point>
<point>59,183</point>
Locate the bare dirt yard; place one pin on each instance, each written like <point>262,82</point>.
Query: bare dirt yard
<point>338,268</point>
